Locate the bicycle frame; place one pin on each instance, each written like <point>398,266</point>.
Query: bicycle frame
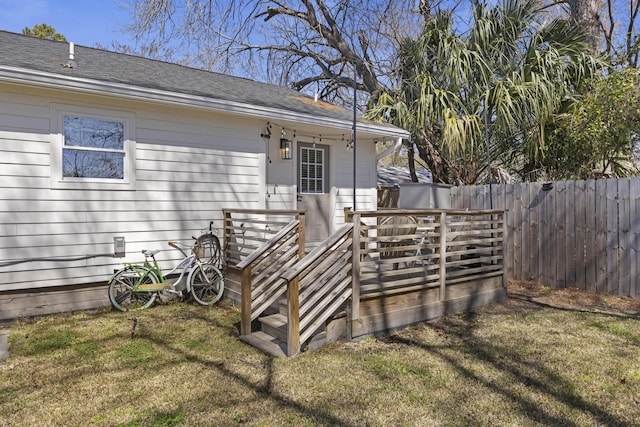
<point>147,268</point>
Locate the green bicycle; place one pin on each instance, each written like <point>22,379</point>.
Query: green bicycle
<point>137,285</point>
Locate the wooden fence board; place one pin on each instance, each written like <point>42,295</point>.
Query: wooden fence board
<point>570,239</point>
<point>624,221</point>
<point>560,228</point>
<point>537,201</point>
<point>510,245</point>
<point>601,236</point>
<point>545,237</point>
<point>634,231</point>
<point>580,221</point>
<point>526,235</point>
<point>516,258</point>
<point>590,235</point>
<point>612,236</point>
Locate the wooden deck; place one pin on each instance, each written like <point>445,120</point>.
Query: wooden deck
<point>383,271</point>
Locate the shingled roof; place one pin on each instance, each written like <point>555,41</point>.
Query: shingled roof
<point>51,58</point>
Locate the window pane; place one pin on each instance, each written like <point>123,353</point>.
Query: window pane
<point>93,133</point>
<point>312,170</point>
<point>93,164</point>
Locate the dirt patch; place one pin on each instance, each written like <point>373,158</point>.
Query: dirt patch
<point>572,298</point>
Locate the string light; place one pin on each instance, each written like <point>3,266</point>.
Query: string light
<point>341,138</point>
<point>321,137</point>
<point>350,145</point>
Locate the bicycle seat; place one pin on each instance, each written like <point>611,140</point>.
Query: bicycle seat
<point>150,253</point>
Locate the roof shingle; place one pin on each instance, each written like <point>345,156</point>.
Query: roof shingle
<point>48,56</point>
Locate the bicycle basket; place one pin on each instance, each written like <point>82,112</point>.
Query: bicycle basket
<point>207,248</point>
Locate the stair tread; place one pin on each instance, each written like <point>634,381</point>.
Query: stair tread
<point>276,320</point>
<point>266,343</point>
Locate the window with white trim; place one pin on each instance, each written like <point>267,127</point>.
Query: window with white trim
<point>93,150</point>
<point>312,167</point>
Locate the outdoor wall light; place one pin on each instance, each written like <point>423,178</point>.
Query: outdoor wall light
<point>286,149</point>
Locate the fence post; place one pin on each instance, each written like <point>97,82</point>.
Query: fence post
<point>443,255</point>
<point>293,316</point>
<point>245,301</point>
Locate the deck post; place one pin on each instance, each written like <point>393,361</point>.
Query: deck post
<point>226,215</point>
<point>301,238</point>
<point>443,255</point>
<point>245,301</point>
<point>355,267</point>
<point>293,316</point>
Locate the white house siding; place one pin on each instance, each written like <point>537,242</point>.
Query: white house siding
<point>190,165</point>
<point>280,190</point>
<point>366,196</point>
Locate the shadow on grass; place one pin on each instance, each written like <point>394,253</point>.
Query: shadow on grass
<point>145,343</point>
<point>519,370</point>
<point>264,391</point>
<point>536,302</point>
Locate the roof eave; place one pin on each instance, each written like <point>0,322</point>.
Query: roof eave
<point>57,81</point>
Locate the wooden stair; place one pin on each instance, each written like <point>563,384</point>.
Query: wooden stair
<point>272,336</point>
<point>270,283</point>
<point>275,325</point>
<point>266,343</point>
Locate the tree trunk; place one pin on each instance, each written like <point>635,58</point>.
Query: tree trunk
<point>587,14</point>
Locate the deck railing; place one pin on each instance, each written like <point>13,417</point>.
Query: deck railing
<point>246,230</point>
<point>318,286</point>
<point>261,284</point>
<point>375,255</point>
<point>261,244</point>
<point>406,250</point>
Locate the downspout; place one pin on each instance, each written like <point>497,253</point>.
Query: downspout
<point>395,147</point>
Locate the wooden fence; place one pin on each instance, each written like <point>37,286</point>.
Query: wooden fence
<point>583,234</point>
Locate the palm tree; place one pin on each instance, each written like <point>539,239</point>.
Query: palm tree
<point>492,88</point>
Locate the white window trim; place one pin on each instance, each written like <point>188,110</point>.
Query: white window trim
<point>58,181</point>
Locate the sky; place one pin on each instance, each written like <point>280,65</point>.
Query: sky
<point>83,22</point>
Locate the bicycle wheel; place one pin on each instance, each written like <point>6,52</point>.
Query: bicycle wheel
<point>121,286</point>
<point>207,284</point>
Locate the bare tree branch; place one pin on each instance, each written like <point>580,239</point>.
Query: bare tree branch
<point>312,45</point>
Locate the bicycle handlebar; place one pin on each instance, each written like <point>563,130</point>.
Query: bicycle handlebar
<point>175,244</point>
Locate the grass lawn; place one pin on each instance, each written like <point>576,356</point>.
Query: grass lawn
<point>543,358</point>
